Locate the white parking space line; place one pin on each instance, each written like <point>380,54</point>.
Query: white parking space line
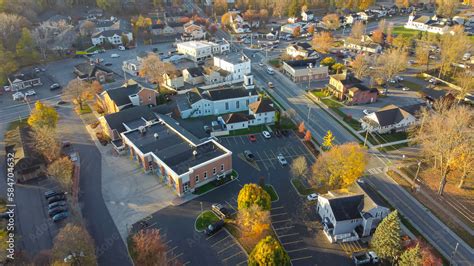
<point>293,234</point>
<point>242,139</point>
<point>236,254</point>
<point>241,263</point>
<point>235,139</point>
<point>302,258</point>
<point>270,161</point>
<point>167,242</point>
<point>213,235</point>
<point>294,250</point>
<point>277,208</point>
<point>186,263</point>
<point>278,214</point>
<point>222,250</point>
<point>230,205</point>
<point>283,228</point>
<point>171,250</point>
<point>181,254</point>
<point>292,242</point>
<point>220,241</point>
<point>282,221</point>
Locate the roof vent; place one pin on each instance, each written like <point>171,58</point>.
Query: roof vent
<point>156,135</point>
<point>142,130</point>
<point>195,152</point>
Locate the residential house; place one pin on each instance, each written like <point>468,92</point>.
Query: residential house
<point>217,100</point>
<point>391,118</point>
<point>350,214</point>
<point>216,75</point>
<point>23,80</point>
<point>349,19</point>
<point>131,118</point>
<point>236,64</point>
<point>301,50</point>
<point>193,31</point>
<point>350,90</point>
<point>94,13</point>
<point>128,95</point>
<point>111,36</point>
<point>426,23</point>
<point>305,69</point>
<point>363,16</point>
<point>106,24</point>
<point>238,24</point>
<point>290,28</point>
<point>179,159</point>
<point>91,71</point>
<point>234,121</point>
<point>307,15</point>
<point>131,67</point>
<point>272,35</point>
<point>177,26</point>
<point>162,29</point>
<point>29,164</point>
<point>193,75</point>
<point>199,51</point>
<point>173,79</point>
<point>366,44</point>
<point>260,112</point>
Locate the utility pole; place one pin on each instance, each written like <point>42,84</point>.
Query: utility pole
<point>454,253</point>
<point>310,73</point>
<point>366,135</point>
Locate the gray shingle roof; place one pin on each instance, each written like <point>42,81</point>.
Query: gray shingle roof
<point>86,70</point>
<point>346,208</point>
<point>120,95</point>
<point>116,120</point>
<point>392,114</point>
<point>108,33</point>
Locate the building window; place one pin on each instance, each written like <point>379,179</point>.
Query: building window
<point>237,104</point>
<point>205,175</point>
<point>213,171</point>
<point>227,106</point>
<point>222,167</point>
<point>247,102</point>
<point>196,178</point>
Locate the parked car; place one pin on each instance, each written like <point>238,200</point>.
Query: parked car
<point>266,134</point>
<point>365,112</point>
<point>220,210</point>
<point>213,228</point>
<point>398,78</point>
<point>282,159</point>
<point>252,138</point>
<point>361,258</point>
<point>405,89</point>
<point>30,93</point>
<point>249,155</point>
<point>270,71</point>
<point>55,86</point>
<point>270,85</point>
<point>114,55</point>
<point>18,96</point>
<point>107,64</point>
<point>7,88</point>
<point>60,216</point>
<point>285,132</point>
<point>56,198</point>
<point>260,63</point>
<point>277,133</point>
<point>56,210</point>
<point>312,197</point>
<point>57,204</point>
<point>51,193</point>
<point>121,48</point>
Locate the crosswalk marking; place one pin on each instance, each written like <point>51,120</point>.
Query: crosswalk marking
<point>374,171</point>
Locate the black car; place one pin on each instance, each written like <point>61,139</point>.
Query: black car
<point>51,193</point>
<point>108,64</point>
<point>56,210</point>
<point>220,210</point>
<point>57,204</point>
<point>60,216</point>
<point>213,228</point>
<point>56,198</point>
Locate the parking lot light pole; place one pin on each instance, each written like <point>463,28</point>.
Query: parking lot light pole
<point>309,111</point>
<point>417,171</point>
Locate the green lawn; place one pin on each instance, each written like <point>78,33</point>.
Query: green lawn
<point>301,188</point>
<point>246,131</point>
<point>394,147</point>
<point>412,85</point>
<point>331,103</point>
<point>376,139</point>
<point>270,190</point>
<point>413,33</point>
<point>318,93</point>
<point>275,62</point>
<point>204,219</point>
<point>86,109</point>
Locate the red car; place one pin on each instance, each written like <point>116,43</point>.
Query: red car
<point>252,138</point>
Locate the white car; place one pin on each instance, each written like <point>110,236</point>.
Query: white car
<point>398,78</point>
<point>121,48</point>
<point>405,89</point>
<point>18,96</point>
<point>312,197</point>
<point>282,159</point>
<point>266,134</point>
<point>114,55</point>
<point>30,93</point>
<point>260,63</point>
<point>365,112</point>
<point>270,71</point>
<point>7,88</point>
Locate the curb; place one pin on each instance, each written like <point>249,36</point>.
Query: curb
<point>278,197</point>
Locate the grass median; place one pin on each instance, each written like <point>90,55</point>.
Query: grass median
<point>205,219</point>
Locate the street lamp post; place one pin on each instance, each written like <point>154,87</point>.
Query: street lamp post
<point>454,253</point>
<point>417,171</point>
<point>309,111</point>
<point>310,75</point>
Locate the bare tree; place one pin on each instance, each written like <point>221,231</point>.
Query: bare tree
<point>47,143</point>
<point>77,91</point>
<point>444,135</point>
<point>152,68</point>
<point>10,28</point>
<point>62,170</point>
<point>360,66</point>
<point>465,82</point>
<point>422,52</point>
<point>358,30</point>
<point>299,167</point>
<point>54,35</point>
<point>323,41</point>
<point>331,21</point>
<point>74,238</point>
<point>87,28</point>
<point>150,248</point>
<point>452,47</point>
<point>446,8</point>
<point>391,63</point>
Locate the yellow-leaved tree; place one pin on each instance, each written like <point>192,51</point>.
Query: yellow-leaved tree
<point>341,166</point>
<point>268,252</point>
<point>43,116</point>
<point>253,221</point>
<point>328,140</point>
<point>253,194</point>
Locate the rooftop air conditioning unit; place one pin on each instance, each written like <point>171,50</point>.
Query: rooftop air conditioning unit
<point>195,152</point>
<point>156,135</point>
